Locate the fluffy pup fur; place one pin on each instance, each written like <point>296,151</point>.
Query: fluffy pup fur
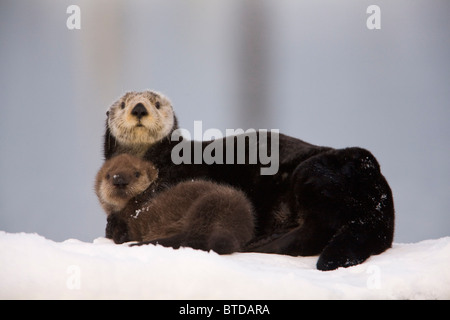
<point>198,214</point>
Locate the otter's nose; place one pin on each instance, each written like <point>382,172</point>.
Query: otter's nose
<point>119,181</point>
<point>139,111</point>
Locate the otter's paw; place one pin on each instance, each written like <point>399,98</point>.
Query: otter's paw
<point>331,263</point>
<point>116,229</point>
<point>341,254</point>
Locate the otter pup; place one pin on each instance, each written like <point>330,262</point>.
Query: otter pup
<point>334,203</point>
<point>198,214</point>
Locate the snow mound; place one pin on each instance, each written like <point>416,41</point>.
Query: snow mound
<point>33,267</point>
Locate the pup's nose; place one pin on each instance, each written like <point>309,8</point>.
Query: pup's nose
<point>139,111</point>
<point>119,181</point>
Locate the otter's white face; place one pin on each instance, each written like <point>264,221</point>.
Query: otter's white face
<point>140,118</point>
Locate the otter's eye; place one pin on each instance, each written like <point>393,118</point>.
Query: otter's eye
<point>157,105</point>
<point>107,113</point>
<point>137,174</point>
<point>108,176</point>
<point>122,105</point>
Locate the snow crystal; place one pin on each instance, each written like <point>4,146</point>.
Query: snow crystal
<point>380,204</point>
<point>367,163</point>
<point>136,213</point>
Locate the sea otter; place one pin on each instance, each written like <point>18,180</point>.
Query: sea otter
<point>334,203</point>
<point>199,214</point>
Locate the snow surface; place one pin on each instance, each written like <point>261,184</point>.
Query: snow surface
<point>33,267</point>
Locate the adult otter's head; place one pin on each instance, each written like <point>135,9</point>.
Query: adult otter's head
<point>121,178</point>
<point>136,121</point>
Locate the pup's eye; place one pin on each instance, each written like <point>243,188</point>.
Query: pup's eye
<point>137,174</point>
<point>157,105</point>
<point>108,176</point>
<point>122,105</point>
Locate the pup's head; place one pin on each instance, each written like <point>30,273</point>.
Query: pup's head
<point>122,178</point>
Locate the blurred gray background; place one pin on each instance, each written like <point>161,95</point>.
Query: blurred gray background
<point>309,68</point>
